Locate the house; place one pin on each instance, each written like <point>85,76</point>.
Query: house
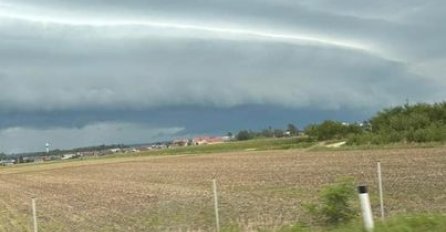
<point>145,148</point>
<point>180,143</point>
<point>208,140</point>
<point>115,150</point>
<point>51,157</point>
<point>159,146</point>
<point>28,159</point>
<point>38,159</point>
<point>7,162</point>
<point>88,153</point>
<point>68,156</point>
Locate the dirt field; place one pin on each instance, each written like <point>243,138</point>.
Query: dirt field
<point>173,193</point>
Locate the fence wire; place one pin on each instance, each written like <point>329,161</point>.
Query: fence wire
<point>255,191</point>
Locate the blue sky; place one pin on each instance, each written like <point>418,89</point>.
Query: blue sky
<point>79,73</point>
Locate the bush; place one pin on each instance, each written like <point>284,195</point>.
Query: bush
<point>335,206</point>
<point>332,130</point>
<point>409,123</point>
<point>244,135</point>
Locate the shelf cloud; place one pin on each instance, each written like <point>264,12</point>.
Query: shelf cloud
<point>136,56</point>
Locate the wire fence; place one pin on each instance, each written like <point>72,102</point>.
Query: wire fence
<point>255,191</point>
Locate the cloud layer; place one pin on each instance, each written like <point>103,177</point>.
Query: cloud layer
<point>87,56</point>
<point>13,138</point>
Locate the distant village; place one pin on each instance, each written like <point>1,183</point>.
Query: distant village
<point>108,150</point>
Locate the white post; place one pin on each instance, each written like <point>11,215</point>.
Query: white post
<point>34,215</point>
<point>217,218</point>
<point>366,209</point>
<point>381,195</point>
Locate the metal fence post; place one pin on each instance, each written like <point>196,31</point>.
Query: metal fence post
<point>217,218</point>
<point>35,227</point>
<point>380,187</point>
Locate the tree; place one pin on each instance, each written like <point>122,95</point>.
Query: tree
<point>326,130</point>
<point>332,130</point>
<point>278,133</point>
<point>408,123</point>
<point>244,135</point>
<point>267,133</point>
<point>292,129</point>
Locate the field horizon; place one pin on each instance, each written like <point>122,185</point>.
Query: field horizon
<point>257,189</point>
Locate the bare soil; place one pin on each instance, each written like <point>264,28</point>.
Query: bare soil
<point>173,193</point>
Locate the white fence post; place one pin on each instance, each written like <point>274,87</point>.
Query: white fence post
<point>366,209</point>
<point>34,215</point>
<point>381,195</point>
<point>217,217</point>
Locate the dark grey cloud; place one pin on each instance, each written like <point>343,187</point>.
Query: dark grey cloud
<point>132,58</point>
<point>216,73</point>
<point>67,129</point>
<point>22,139</point>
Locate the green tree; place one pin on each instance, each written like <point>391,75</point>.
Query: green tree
<point>332,130</point>
<point>267,133</point>
<point>278,133</point>
<point>3,156</point>
<point>244,135</point>
<point>292,129</point>
<point>413,123</point>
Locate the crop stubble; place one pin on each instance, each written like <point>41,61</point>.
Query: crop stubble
<point>257,189</point>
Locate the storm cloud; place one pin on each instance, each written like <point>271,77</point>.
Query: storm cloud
<point>79,58</point>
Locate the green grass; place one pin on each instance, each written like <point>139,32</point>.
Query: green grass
<point>401,223</point>
<point>249,145</point>
<point>407,223</point>
<point>389,146</point>
<point>260,144</point>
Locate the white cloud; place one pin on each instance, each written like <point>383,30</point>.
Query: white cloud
<point>213,29</point>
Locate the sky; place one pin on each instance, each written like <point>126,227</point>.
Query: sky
<point>91,72</point>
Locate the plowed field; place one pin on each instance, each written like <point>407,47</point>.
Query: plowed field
<point>173,193</point>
